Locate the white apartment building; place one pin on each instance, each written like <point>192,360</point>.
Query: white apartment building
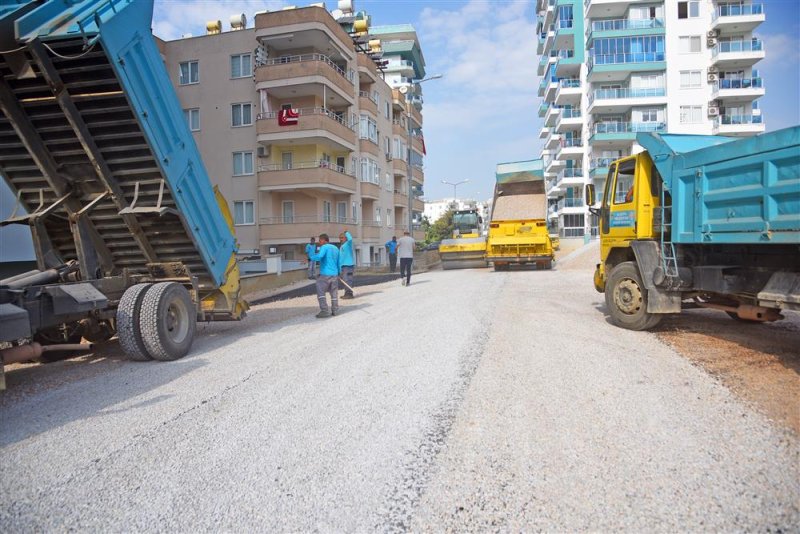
<point>611,69</point>
<point>434,209</point>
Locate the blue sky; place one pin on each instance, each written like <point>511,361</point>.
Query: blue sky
<point>483,111</point>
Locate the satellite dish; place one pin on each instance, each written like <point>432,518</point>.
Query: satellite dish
<point>403,89</point>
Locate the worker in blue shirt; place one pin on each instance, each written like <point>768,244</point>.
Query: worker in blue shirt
<point>328,279</point>
<point>311,249</point>
<point>391,246</point>
<point>347,262</point>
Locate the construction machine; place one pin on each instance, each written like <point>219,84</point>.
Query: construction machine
<point>467,248</point>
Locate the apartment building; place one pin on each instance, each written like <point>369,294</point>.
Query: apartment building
<point>611,69</point>
<point>299,129</point>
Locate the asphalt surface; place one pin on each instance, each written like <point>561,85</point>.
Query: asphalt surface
<point>470,400</point>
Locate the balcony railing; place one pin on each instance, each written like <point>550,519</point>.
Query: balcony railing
<point>303,58</point>
<point>626,24</point>
<point>367,94</point>
<point>621,59</point>
<point>627,92</point>
<point>570,203</point>
<point>338,117</point>
<point>317,164</point>
<point>737,119</point>
<point>571,142</point>
<point>302,219</point>
<point>628,127</point>
<point>569,83</point>
<point>570,172</point>
<point>570,113</point>
<point>737,10</point>
<point>726,47</point>
<point>746,83</point>
<point>599,163</point>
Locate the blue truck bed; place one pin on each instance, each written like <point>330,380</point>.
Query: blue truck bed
<point>90,124</point>
<point>727,190</point>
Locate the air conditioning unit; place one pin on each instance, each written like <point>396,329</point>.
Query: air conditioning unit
<point>262,151</point>
<point>712,78</point>
<point>713,69</point>
<point>711,42</point>
<point>388,156</point>
<point>712,34</point>
<point>713,111</point>
<point>713,103</point>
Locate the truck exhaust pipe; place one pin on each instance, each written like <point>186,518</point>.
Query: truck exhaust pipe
<point>34,350</point>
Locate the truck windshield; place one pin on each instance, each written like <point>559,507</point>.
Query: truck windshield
<point>465,223</point>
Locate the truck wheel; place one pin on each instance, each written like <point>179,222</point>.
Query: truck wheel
<point>128,331</point>
<point>626,299</point>
<point>168,321</point>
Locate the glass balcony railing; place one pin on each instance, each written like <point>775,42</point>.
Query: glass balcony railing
<point>728,120</point>
<point>737,10</point>
<point>569,83</point>
<point>620,59</point>
<point>570,203</point>
<point>627,92</point>
<point>628,127</point>
<point>570,172</point>
<point>727,47</point>
<point>601,163</point>
<point>570,113</point>
<point>626,24</point>
<point>746,83</point>
<point>571,142</point>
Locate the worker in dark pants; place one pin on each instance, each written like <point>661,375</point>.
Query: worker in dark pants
<point>405,249</point>
<point>391,246</point>
<point>328,279</point>
<point>347,263</point>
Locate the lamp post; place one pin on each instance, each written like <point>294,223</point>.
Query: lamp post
<point>408,159</point>
<point>455,187</point>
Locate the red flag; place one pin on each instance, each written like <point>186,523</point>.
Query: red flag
<point>422,140</point>
<point>288,117</point>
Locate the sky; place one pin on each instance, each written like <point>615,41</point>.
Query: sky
<point>483,110</point>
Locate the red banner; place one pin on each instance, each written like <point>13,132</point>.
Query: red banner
<point>288,117</point>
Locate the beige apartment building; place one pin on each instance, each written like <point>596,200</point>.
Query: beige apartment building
<point>300,131</point>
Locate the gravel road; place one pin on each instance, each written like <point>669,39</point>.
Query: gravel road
<point>470,400</point>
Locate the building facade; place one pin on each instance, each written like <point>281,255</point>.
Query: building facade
<point>611,69</point>
<point>299,129</point>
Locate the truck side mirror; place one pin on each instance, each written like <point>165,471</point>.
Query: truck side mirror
<point>589,193</point>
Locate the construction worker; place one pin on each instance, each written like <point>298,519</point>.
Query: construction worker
<point>391,246</point>
<point>405,249</point>
<point>328,279</point>
<point>311,249</point>
<point>346,262</point>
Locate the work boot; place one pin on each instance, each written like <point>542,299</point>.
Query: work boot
<point>322,314</point>
<point>347,296</point>
<point>403,281</point>
<point>335,312</point>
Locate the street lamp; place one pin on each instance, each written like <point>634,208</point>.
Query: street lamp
<point>455,186</point>
<point>408,158</point>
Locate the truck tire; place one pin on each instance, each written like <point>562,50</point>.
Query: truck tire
<point>168,321</point>
<point>128,331</point>
<point>626,299</point>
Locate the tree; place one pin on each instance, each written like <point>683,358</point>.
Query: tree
<point>441,229</point>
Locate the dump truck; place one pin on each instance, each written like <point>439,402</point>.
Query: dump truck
<point>518,232</point>
<point>467,248</point>
<point>702,221</point>
<point>130,237</point>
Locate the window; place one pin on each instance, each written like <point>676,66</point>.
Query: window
<point>241,115</point>
<point>389,182</point>
<point>192,118</point>
<point>623,189</point>
<point>326,211</point>
<point>691,114</point>
<point>691,79</point>
<point>242,163</point>
<point>241,66</point>
<point>370,171</point>
<point>689,44</point>
<point>368,129</point>
<point>388,217</point>
<point>286,161</point>
<point>649,115</point>
<point>243,212</point>
<point>341,212</point>
<point>388,111</point>
<point>287,210</point>
<point>189,72</point>
<point>612,50</point>
<point>378,215</point>
<point>355,212</point>
<point>689,10</point>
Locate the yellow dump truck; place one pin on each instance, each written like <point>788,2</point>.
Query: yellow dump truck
<point>518,232</point>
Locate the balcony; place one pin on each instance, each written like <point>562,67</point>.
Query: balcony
<point>298,227</point>
<point>598,167</point>
<point>400,199</point>
<point>739,125</point>
<point>619,66</point>
<point>416,116</point>
<point>553,140</point>
<point>315,175</point>
<point>370,147</point>
<point>744,90</point>
<point>304,74</point>
<point>417,174</point>
<point>570,148</point>
<point>570,205</point>
<point>544,132</point>
<point>544,62</point>
<point>624,28</point>
<point>737,54</point>
<point>554,165</point>
<point>417,144</point>
<point>367,103</point>
<point>418,205</point>
<point>737,18</point>
<point>399,167</point>
<point>619,100</point>
<point>550,89</point>
<point>622,133</point>
<point>367,69</point>
<point>569,119</point>
<point>569,177</point>
<point>609,8</point>
<point>314,125</point>
<point>569,92</point>
<point>549,13</point>
<point>551,116</point>
<point>403,66</point>
<point>370,189</point>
